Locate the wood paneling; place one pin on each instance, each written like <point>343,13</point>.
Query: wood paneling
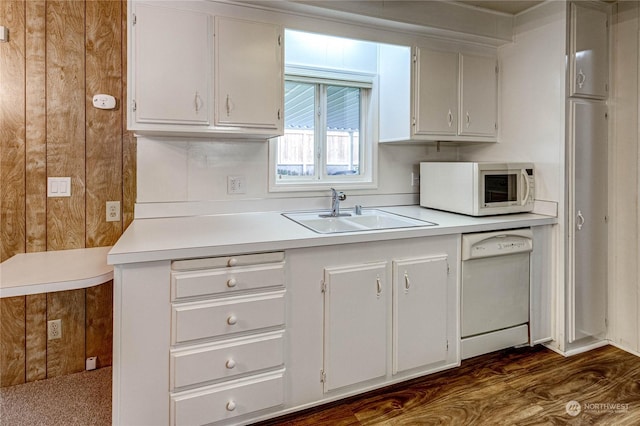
<point>103,127</point>
<point>99,327</point>
<point>60,54</point>
<point>12,336</point>
<point>66,355</point>
<point>12,133</point>
<point>36,337</point>
<point>66,121</point>
<point>36,128</point>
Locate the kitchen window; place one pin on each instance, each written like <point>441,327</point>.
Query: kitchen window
<point>327,130</point>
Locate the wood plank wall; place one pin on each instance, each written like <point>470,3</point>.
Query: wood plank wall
<point>59,55</point>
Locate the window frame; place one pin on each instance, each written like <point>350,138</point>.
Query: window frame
<point>367,178</point>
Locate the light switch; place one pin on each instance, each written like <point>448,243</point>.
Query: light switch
<point>59,187</point>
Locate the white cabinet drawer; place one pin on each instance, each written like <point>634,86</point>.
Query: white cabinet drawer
<point>227,261</point>
<point>228,400</point>
<point>191,321</point>
<point>226,360</point>
<point>225,280</point>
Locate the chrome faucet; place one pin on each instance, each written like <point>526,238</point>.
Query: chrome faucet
<point>336,197</point>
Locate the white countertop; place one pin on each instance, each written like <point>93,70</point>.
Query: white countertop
<point>156,239</point>
<point>43,272</point>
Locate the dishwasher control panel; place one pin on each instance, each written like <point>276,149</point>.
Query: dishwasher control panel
<point>500,243</point>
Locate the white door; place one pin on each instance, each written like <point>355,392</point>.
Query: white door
<point>419,312</point>
<point>589,245</point>
<point>355,324</point>
<point>435,93</point>
<point>479,96</point>
<point>589,51</point>
<point>248,74</point>
<point>172,65</point>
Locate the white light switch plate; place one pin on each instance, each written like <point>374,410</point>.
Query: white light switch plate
<point>59,187</point>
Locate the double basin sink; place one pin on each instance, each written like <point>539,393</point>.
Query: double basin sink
<point>368,220</point>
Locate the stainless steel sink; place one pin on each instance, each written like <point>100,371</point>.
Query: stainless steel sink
<point>369,220</point>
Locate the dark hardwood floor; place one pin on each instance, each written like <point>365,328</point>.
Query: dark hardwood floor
<point>526,386</point>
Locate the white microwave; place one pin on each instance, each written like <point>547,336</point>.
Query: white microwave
<point>477,189</point>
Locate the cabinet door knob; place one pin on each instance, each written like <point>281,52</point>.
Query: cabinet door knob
<point>468,120</point>
<point>378,286</point>
<point>450,118</point>
<point>231,405</point>
<point>232,320</point>
<point>407,283</point>
<point>232,262</point>
<point>230,363</point>
<point>232,282</point>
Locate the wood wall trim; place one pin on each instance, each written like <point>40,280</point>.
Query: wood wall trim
<point>12,336</point>
<point>36,337</point>
<point>66,121</point>
<point>103,134</point>
<point>66,355</point>
<point>36,128</point>
<point>12,131</point>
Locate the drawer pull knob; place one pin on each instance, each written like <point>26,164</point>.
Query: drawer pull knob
<point>232,319</point>
<point>231,405</point>
<point>230,364</point>
<point>232,261</point>
<point>232,282</point>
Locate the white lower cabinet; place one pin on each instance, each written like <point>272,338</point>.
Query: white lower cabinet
<point>420,312</point>
<point>355,309</point>
<point>228,400</point>
<point>368,315</point>
<point>227,338</point>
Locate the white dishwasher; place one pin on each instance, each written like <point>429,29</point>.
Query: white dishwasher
<point>495,290</point>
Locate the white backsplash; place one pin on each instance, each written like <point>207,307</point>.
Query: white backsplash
<point>179,170</point>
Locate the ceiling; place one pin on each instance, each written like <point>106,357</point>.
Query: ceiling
<point>506,6</point>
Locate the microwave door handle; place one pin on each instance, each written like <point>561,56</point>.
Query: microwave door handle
<point>523,173</point>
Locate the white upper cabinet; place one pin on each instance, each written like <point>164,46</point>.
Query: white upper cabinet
<point>171,73</point>
<point>184,57</point>
<point>478,96</point>
<point>452,96</point>
<point>589,50</point>
<point>455,96</point>
<point>249,74</point>
<point>435,93</point>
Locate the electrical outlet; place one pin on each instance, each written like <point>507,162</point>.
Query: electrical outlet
<point>236,185</point>
<point>113,211</point>
<point>54,329</point>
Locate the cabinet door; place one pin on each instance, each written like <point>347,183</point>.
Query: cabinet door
<point>355,324</point>
<point>479,96</point>
<point>435,103</point>
<point>249,74</point>
<point>589,51</point>
<point>172,64</point>
<point>419,312</point>
<point>589,286</point>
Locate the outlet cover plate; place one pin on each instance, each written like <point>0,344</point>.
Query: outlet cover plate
<point>54,329</point>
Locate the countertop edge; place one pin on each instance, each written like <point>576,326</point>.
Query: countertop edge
<point>307,239</point>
